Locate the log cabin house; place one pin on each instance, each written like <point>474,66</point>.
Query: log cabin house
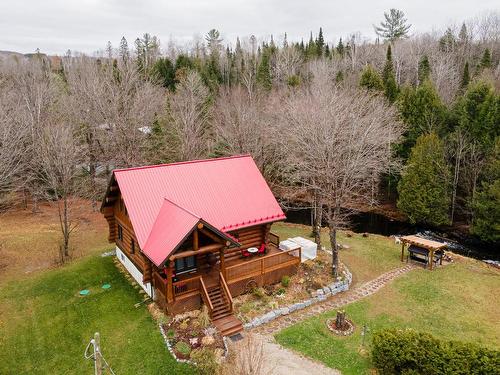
<point>197,232</point>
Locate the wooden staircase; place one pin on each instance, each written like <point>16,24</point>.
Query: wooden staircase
<point>220,305</point>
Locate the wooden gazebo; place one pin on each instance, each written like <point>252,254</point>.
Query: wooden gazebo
<point>432,247</point>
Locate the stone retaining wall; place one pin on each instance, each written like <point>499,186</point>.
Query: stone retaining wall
<point>320,295</point>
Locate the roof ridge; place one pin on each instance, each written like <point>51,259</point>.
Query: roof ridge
<point>182,162</point>
<point>182,208</point>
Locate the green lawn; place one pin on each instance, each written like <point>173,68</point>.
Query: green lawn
<point>367,257</point>
<point>457,302</point>
<point>45,326</point>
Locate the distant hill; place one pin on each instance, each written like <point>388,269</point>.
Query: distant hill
<point>54,61</point>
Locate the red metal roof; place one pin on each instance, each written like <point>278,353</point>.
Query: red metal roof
<point>228,193</point>
<point>171,226</point>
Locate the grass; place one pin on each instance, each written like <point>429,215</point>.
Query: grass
<point>367,257</point>
<point>456,302</point>
<point>46,325</point>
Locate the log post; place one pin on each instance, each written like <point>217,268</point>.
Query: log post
<point>431,259</point>
<point>195,240</point>
<point>169,270</point>
<point>402,251</point>
<point>222,262</point>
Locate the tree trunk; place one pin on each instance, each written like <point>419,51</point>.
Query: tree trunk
<point>333,240</point>
<point>318,216</point>
<point>340,319</point>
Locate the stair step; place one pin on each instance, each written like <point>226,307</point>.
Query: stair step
<point>228,325</point>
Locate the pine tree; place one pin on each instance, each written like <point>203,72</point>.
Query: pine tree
<point>340,48</point>
<point>395,26</point>
<point>390,85</point>
<point>264,72</point>
<point>463,35</point>
<point>371,79</point>
<point>422,111</point>
<point>320,43</point>
<point>164,70</point>
<point>123,50</point>
<point>465,76</point>
<point>447,42</point>
<point>486,59</point>
<point>479,113</point>
<point>486,204</point>
<point>423,188</point>
<point>424,69</point>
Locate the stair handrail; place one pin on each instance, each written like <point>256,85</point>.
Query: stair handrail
<point>226,291</point>
<point>206,297</point>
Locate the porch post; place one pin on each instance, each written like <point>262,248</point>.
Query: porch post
<point>169,270</point>
<point>431,259</point>
<point>195,240</point>
<point>402,250</point>
<point>222,262</point>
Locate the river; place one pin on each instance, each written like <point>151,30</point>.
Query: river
<point>370,222</point>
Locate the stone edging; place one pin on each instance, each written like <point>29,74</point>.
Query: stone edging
<point>169,347</point>
<point>321,295</point>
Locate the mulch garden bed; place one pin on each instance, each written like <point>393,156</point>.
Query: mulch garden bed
<point>191,331</point>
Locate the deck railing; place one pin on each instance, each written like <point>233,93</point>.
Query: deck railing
<point>160,283</point>
<point>186,286</point>
<point>225,290</point>
<point>205,297</point>
<point>262,265</point>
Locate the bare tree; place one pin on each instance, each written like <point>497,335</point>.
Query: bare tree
<point>60,174</point>
<point>13,143</point>
<point>338,141</point>
<point>189,113</point>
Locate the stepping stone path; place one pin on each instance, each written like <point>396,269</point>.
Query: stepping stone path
<point>331,303</point>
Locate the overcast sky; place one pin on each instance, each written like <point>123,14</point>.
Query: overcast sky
<point>55,26</point>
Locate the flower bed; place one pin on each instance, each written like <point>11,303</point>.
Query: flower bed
<point>191,331</point>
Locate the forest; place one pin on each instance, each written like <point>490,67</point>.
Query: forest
<point>409,118</point>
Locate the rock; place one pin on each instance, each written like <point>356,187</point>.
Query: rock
<point>248,325</point>
<point>319,292</point>
<point>326,290</point>
<point>346,247</point>
<point>193,341</point>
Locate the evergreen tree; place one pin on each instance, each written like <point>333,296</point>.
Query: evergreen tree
<point>424,69</point>
<point>339,77</point>
<point>327,51</point>
<point>423,188</point>
<point>395,26</point>
<point>486,204</point>
<point>371,79</point>
<point>123,50</point>
<point>486,59</point>
<point>463,35</point>
<point>340,48</point>
<point>422,111</point>
<point>320,43</point>
<point>479,113</point>
<point>447,42</point>
<point>465,76</point>
<point>264,72</point>
<point>164,70</point>
<point>390,85</point>
<point>156,144</point>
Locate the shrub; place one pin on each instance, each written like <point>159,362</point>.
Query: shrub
<point>183,348</point>
<point>170,333</point>
<point>206,361</point>
<point>280,291</point>
<point>184,324</point>
<point>204,318</point>
<point>285,281</point>
<point>410,352</point>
